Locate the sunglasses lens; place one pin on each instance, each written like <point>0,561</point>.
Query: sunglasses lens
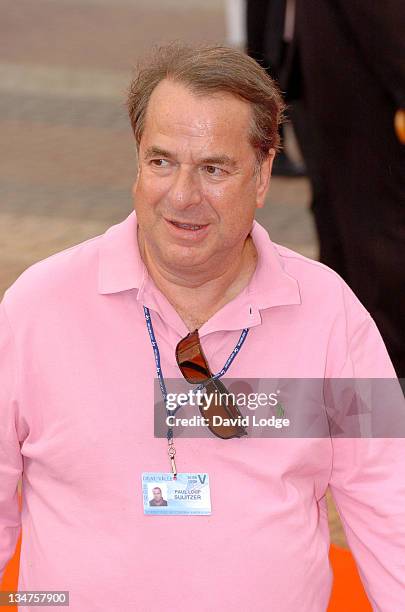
<point>191,360</point>
<point>221,413</point>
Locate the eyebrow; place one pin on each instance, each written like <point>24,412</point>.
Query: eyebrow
<point>156,152</point>
<point>214,160</point>
<point>219,160</point>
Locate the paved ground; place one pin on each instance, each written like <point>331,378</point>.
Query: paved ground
<point>67,154</point>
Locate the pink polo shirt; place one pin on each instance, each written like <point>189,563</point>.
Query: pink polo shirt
<point>76,419</point>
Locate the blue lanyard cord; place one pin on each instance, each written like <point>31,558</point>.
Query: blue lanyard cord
<point>232,356</point>
<point>156,352</point>
<point>159,367</point>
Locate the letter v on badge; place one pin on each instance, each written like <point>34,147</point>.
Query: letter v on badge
<point>188,494</point>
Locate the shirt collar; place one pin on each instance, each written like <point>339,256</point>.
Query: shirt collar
<point>121,268</point>
<point>120,264</point>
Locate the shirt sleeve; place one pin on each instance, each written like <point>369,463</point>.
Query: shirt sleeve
<point>10,455</point>
<point>368,478</point>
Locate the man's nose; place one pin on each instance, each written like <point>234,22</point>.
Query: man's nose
<point>185,189</point>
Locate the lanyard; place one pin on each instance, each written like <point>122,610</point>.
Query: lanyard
<point>238,346</point>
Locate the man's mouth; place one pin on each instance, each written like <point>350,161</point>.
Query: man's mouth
<point>188,226</point>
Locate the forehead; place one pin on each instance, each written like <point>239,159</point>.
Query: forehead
<point>175,112</point>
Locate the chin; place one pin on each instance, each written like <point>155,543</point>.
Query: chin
<point>184,257</point>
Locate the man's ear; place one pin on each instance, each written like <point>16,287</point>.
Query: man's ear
<point>263,178</point>
<point>138,169</point>
<point>135,183</point>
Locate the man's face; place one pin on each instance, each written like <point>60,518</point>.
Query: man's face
<point>196,190</point>
<point>157,495</point>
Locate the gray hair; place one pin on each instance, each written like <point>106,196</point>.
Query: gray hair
<point>210,69</point>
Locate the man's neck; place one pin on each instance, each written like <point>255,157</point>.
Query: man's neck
<point>198,296</point>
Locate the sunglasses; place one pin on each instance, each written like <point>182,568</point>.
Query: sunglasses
<point>194,367</point>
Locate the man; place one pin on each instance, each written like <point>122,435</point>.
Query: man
<point>79,359</point>
<point>157,499</point>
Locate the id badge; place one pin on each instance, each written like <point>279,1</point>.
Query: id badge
<point>189,494</point>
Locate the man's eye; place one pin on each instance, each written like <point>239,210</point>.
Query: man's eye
<point>159,163</point>
<point>214,170</point>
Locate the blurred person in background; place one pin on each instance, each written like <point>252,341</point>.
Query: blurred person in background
<point>269,27</point>
<point>351,60</point>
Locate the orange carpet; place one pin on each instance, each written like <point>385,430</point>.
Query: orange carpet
<point>347,594</point>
